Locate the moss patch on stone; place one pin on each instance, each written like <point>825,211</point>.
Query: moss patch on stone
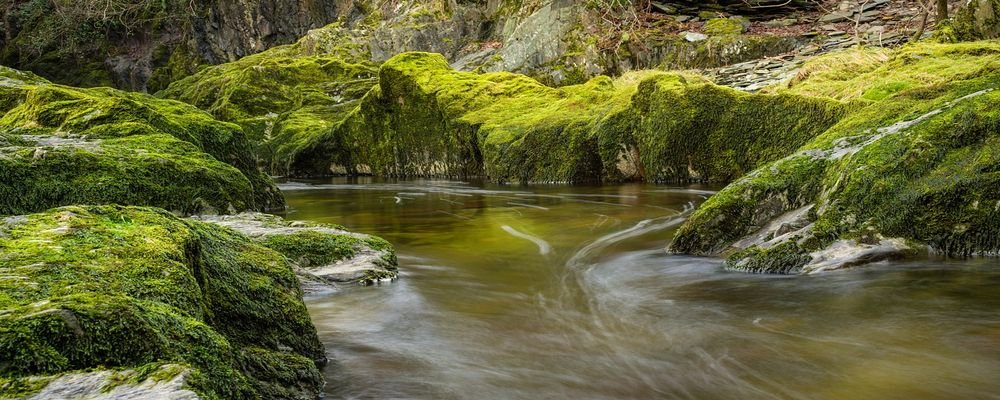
<point>122,287</point>
<point>68,145</point>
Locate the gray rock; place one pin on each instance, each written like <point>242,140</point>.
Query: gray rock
<point>836,16</point>
<point>368,265</point>
<point>107,385</point>
<point>850,253</point>
<point>694,36</point>
<point>538,39</point>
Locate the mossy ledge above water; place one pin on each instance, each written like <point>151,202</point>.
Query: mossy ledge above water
<point>125,288</point>
<point>425,119</point>
<point>61,145</point>
<point>913,168</point>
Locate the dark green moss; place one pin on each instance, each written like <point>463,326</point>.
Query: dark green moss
<point>784,258</point>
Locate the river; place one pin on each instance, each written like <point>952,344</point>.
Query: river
<point>566,292</point>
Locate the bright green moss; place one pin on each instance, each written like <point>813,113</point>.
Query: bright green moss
<point>916,161</point>
<point>691,130</point>
<point>286,96</point>
<point>876,74</point>
<point>90,131</point>
<point>146,170</point>
<point>123,287</point>
<point>425,119</point>
<point>725,26</point>
<point>314,248</point>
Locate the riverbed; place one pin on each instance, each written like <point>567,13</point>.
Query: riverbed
<point>556,292</point>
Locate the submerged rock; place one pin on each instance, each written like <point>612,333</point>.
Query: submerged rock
<point>910,169</point>
<point>325,255</point>
<point>111,287</point>
<point>61,145</point>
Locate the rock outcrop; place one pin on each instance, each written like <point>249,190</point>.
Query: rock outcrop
<point>912,168</point>
<point>425,119</point>
<point>129,290</point>
<point>142,43</point>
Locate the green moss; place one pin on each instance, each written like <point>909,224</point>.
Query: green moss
<point>876,74</point>
<point>691,130</point>
<point>785,258</point>
<point>725,26</point>
<point>425,119</point>
<point>286,96</point>
<point>312,248</point>
<point>977,20</point>
<point>123,287</point>
<point>915,161</point>
<point>103,145</point>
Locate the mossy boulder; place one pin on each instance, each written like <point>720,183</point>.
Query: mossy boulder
<point>63,145</point>
<point>912,167</point>
<point>324,255</point>
<point>285,96</point>
<point>425,119</point>
<point>111,287</point>
<point>686,129</point>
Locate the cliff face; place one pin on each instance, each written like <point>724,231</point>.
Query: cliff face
<point>147,44</point>
<point>141,44</point>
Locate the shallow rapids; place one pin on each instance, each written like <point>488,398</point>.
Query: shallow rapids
<point>557,292</point>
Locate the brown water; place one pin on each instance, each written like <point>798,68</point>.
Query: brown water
<point>559,292</point>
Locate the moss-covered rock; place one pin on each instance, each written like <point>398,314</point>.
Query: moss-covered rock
<point>64,145</point>
<point>425,119</point>
<point>285,96</point>
<point>324,254</point>
<point>112,287</point>
<point>726,26</point>
<point>913,165</point>
<point>687,129</point>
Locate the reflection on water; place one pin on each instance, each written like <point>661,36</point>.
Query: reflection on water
<point>565,292</point>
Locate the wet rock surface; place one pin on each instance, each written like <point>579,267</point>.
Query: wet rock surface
<point>325,255</point>
<point>117,385</point>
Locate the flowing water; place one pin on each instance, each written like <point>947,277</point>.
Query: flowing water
<point>564,292</point>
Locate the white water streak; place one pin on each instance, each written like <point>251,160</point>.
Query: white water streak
<point>527,205</point>
<point>543,247</point>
